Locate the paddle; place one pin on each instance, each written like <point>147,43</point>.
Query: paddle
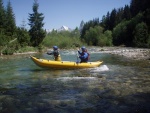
<point>78,48</point>
<point>77,57</point>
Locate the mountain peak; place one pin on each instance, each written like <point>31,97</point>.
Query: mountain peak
<point>64,28</point>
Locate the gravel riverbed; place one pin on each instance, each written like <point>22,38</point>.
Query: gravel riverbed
<point>133,53</point>
<point>129,52</point>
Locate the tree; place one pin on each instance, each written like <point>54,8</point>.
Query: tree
<point>127,13</point>
<point>81,25</point>
<point>119,15</point>
<point>75,33</point>
<point>141,35</point>
<point>113,19</point>
<point>94,36</point>
<point>36,32</point>
<point>120,33</point>
<point>91,36</point>
<point>134,7</point>
<point>2,16</point>
<point>108,35</point>
<point>7,29</point>
<point>2,24</point>
<point>137,6</point>
<point>23,37</point>
<point>87,26</point>
<point>147,18</point>
<point>10,22</point>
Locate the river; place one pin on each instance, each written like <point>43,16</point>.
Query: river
<point>119,85</point>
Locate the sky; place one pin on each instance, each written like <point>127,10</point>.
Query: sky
<point>69,13</point>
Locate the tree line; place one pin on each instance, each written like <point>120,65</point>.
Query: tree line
<point>12,37</point>
<point>126,26</point>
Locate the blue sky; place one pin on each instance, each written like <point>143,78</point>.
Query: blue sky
<point>64,12</point>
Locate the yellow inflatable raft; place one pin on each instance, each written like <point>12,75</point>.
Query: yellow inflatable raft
<point>64,64</point>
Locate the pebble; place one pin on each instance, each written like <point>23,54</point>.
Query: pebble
<point>133,53</point>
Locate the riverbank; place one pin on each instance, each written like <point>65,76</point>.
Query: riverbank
<point>132,53</point>
<point>24,54</point>
<point>128,52</point>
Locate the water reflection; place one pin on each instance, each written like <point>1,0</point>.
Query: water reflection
<point>119,86</point>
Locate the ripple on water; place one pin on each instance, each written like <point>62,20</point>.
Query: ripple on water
<point>76,78</point>
<point>99,69</point>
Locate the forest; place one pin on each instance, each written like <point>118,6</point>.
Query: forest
<point>127,26</point>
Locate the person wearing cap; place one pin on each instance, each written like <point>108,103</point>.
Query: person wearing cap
<point>84,55</point>
<point>56,54</point>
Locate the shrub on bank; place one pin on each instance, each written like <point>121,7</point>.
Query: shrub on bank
<point>26,49</point>
<point>62,40</point>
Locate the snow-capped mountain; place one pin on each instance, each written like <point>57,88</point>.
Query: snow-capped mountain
<point>64,28</point>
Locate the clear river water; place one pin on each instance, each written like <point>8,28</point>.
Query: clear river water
<point>119,85</point>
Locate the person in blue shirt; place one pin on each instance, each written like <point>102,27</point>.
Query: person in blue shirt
<point>56,54</point>
<point>84,55</point>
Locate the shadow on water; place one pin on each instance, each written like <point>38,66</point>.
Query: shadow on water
<point>33,70</point>
<point>112,103</point>
<point>74,99</point>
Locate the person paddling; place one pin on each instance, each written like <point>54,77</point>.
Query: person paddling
<point>56,54</point>
<point>84,55</point>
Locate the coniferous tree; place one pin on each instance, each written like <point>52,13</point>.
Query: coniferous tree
<point>103,21</point>
<point>2,24</point>
<point>127,13</point>
<point>147,18</point>
<point>81,25</point>
<point>134,7</point>
<point>119,15</point>
<point>36,32</point>
<point>8,29</point>
<point>10,21</point>
<point>137,6</point>
<point>113,19</point>
<point>107,21</point>
<point>2,16</point>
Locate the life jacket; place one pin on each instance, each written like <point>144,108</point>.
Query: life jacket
<point>86,59</point>
<point>57,56</point>
<point>56,53</point>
